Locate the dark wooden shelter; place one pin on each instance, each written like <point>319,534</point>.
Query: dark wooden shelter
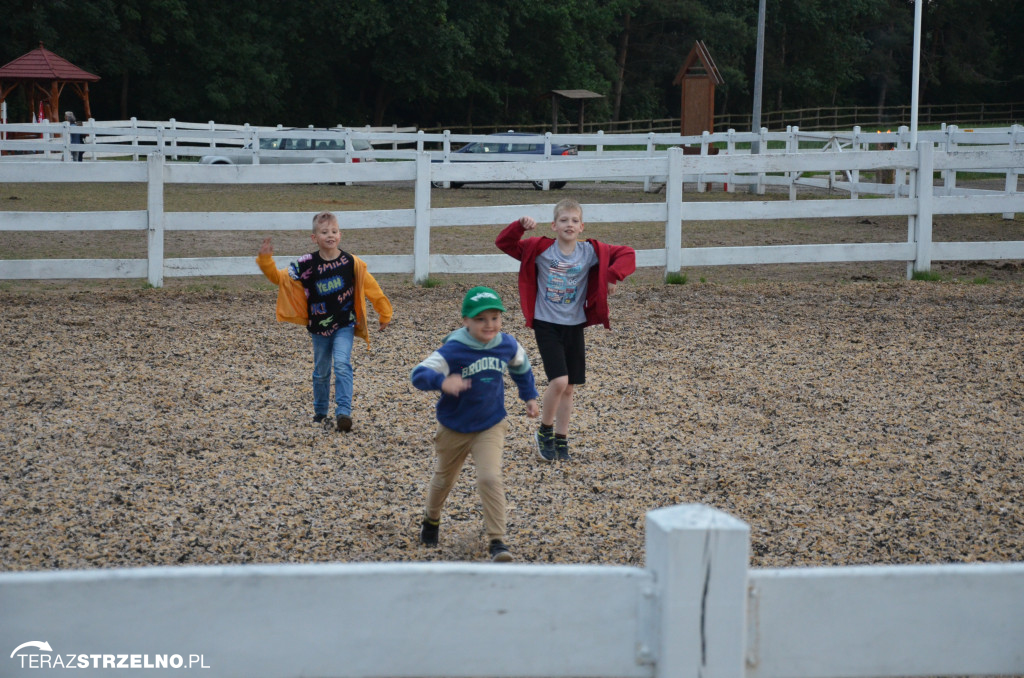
<point>698,76</point>
<point>580,95</point>
<point>45,75</point>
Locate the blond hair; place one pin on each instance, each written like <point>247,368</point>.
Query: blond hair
<point>568,205</point>
<point>324,217</point>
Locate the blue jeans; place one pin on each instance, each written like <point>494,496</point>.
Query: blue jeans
<point>336,349</point>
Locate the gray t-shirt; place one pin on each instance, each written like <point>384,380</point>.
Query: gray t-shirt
<point>562,284</point>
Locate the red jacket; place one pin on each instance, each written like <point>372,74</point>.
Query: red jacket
<point>614,263</point>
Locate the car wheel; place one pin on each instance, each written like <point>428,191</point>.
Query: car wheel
<point>437,184</point>
<point>539,185</point>
<point>455,184</point>
<point>557,185</point>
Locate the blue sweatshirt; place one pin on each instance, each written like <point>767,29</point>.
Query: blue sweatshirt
<point>483,404</point>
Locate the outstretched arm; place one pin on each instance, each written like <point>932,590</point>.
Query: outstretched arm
<point>265,260</point>
<point>509,240</point>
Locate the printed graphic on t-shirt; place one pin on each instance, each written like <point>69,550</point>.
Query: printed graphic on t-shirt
<point>563,282</point>
<point>330,291</point>
<point>329,285</point>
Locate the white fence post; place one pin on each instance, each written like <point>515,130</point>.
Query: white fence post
<point>730,149</point>
<point>699,558</point>
<point>421,206</point>
<point>66,154</point>
<point>446,152</point>
<point>174,141</point>
<point>923,221</point>
<point>763,145</point>
<point>674,209</point>
<point>792,146</point>
<point>1011,172</point>
<point>155,216</point>
<point>135,139</point>
<point>650,152</point>
<point>705,141</point>
<point>949,176</point>
<point>855,145</point>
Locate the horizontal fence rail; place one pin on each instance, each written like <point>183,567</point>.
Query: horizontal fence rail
<point>695,610</point>
<point>913,194</point>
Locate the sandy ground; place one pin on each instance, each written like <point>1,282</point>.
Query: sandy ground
<point>847,422</point>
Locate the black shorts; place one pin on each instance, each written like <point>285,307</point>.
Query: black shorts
<point>562,350</point>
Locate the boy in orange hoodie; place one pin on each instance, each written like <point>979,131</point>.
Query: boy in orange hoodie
<point>326,291</point>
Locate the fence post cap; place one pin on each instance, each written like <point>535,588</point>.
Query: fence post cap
<point>689,516</point>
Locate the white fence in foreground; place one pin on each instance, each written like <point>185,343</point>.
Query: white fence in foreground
<point>914,196</point>
<point>696,610</point>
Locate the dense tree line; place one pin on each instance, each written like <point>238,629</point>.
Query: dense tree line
<point>454,62</point>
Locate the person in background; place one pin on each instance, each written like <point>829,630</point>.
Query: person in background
<point>69,117</point>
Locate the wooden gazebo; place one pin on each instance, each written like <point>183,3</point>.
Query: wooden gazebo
<point>45,74</point>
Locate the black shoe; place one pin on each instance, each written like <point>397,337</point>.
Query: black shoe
<point>562,448</point>
<point>499,552</point>
<point>546,445</point>
<point>319,418</point>
<point>428,531</point>
<point>344,423</point>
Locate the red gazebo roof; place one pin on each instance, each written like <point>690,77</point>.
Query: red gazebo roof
<point>42,64</point>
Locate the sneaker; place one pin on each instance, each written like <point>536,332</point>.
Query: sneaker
<point>319,418</point>
<point>546,445</point>
<point>428,531</point>
<point>562,448</point>
<point>344,423</point>
<point>499,552</point>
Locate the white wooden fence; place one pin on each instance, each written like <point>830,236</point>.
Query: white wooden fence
<point>916,198</point>
<point>695,611</point>
<point>136,139</point>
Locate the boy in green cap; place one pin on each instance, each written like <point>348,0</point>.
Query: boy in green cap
<point>469,371</point>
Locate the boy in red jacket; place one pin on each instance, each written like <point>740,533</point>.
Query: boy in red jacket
<point>564,283</point>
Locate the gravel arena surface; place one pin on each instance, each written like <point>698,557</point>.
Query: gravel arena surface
<point>847,423</point>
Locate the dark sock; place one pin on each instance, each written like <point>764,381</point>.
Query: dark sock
<point>563,437</point>
<point>545,428</point>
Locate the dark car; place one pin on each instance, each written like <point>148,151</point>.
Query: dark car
<point>510,142</point>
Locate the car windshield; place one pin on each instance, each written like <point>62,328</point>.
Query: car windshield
<point>270,144</point>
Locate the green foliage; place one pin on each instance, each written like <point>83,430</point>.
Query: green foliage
<point>676,279</point>
<point>459,62</point>
<point>928,276</point>
<point>430,283</point>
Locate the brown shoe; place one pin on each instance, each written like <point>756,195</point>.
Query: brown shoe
<point>344,423</point>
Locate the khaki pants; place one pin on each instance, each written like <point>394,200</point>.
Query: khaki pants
<point>452,448</point>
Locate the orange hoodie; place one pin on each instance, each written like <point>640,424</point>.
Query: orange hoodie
<point>291,296</point>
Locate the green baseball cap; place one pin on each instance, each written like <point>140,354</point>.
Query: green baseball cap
<point>480,299</point>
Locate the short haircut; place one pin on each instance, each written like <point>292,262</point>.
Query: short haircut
<point>568,205</point>
<point>324,217</point>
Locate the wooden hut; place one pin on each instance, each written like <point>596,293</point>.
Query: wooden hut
<point>698,77</point>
